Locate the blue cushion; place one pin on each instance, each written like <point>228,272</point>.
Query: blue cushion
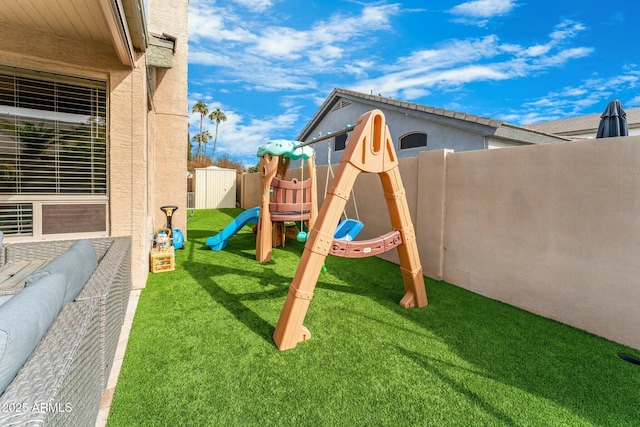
<point>24,320</point>
<point>77,265</point>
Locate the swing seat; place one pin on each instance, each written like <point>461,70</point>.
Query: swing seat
<point>347,230</point>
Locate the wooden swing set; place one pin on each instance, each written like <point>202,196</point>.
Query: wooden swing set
<point>370,150</point>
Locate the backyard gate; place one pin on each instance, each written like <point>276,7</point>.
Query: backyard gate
<point>215,188</point>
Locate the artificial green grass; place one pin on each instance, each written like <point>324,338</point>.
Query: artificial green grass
<point>200,351</point>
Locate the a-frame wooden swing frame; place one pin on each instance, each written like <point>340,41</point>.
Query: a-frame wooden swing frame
<point>370,149</point>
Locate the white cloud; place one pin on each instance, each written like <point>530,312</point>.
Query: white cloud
<point>283,42</point>
<point>536,50</point>
<point>255,5</point>
<point>483,8</point>
<point>459,62</point>
<point>560,58</point>
<point>567,30</point>
<point>591,94</point>
<point>633,102</point>
<point>209,23</point>
<point>270,57</point>
<point>209,58</point>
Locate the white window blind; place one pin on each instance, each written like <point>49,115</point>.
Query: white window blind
<point>52,134</point>
<point>53,152</point>
<point>16,218</point>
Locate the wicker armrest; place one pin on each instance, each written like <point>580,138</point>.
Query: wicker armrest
<point>58,384</point>
<point>63,380</point>
<point>30,251</point>
<point>110,285</point>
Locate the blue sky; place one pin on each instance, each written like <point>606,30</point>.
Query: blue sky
<point>269,64</point>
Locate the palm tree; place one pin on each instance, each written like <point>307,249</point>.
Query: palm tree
<point>201,108</point>
<point>218,116</point>
<point>202,138</point>
<point>205,137</point>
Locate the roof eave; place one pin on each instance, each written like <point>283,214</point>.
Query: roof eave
<point>391,103</point>
<point>137,24</point>
<point>127,26</point>
<point>525,135</point>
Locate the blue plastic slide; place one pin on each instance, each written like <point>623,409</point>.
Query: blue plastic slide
<point>219,241</point>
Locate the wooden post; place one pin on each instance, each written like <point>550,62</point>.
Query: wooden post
<point>268,168</point>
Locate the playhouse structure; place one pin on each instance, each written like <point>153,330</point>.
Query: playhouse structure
<point>281,200</point>
<point>370,149</point>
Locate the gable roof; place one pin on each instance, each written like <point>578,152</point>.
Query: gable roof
<point>582,124</point>
<point>498,128</point>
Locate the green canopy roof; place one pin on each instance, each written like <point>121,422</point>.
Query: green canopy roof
<point>286,148</point>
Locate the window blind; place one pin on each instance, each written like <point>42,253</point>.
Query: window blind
<point>52,134</point>
<point>16,218</point>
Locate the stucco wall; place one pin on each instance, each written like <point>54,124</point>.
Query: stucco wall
<point>170,103</point>
<point>128,169</point>
<point>552,229</point>
<point>250,193</point>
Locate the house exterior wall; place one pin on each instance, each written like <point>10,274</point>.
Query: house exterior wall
<point>548,228</point>
<point>146,140</point>
<point>441,132</point>
<point>169,179</point>
<point>128,167</point>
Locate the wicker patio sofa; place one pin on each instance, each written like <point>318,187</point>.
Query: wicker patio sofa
<point>62,382</point>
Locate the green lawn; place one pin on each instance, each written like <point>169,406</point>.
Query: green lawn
<point>201,353</point>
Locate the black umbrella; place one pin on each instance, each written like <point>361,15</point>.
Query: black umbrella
<point>613,121</point>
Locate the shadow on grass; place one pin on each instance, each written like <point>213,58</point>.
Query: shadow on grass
<point>508,346</point>
<point>434,366</point>
<point>211,270</point>
<point>572,368</point>
<point>234,302</point>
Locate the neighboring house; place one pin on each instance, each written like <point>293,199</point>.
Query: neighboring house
<point>585,126</point>
<point>93,118</point>
<point>413,127</point>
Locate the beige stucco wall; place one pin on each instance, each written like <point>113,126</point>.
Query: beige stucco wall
<point>128,164</point>
<point>552,228</point>
<point>430,211</point>
<point>169,137</point>
<point>250,193</point>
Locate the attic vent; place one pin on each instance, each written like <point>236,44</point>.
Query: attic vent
<point>340,104</point>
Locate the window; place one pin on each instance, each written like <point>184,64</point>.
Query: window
<point>340,142</point>
<point>413,140</point>
<point>53,144</point>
